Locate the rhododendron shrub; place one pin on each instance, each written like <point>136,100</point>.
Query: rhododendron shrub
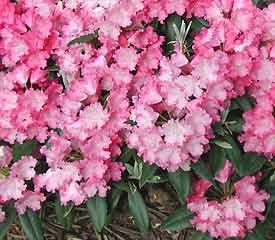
<point>89,89</point>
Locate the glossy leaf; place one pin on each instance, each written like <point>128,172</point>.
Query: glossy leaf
<point>178,220</point>
<point>222,144</point>
<point>202,170</point>
<point>138,210</point>
<point>234,154</point>
<point>97,208</point>
<point>180,181</point>
<point>216,158</point>
<point>251,163</point>
<point>31,225</point>
<point>148,172</point>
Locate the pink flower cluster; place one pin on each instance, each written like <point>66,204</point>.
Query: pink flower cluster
<point>260,122</point>
<point>234,215</point>
<point>121,88</point>
<point>13,182</point>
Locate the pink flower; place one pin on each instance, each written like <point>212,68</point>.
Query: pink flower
<point>31,200</point>
<point>223,174</point>
<point>11,188</point>
<point>24,168</point>
<point>126,53</point>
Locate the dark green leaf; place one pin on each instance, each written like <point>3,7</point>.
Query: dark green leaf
<point>216,158</point>
<point>130,169</point>
<point>180,181</point>
<point>10,216</point>
<point>199,236</point>
<point>178,220</point>
<point>148,172</point>
<point>97,208</point>
<point>20,150</point>
<point>122,186</point>
<point>138,210</point>
<point>234,154</point>
<point>115,196</point>
<point>64,215</point>
<point>170,30</point>
<point>244,103</point>
<point>31,225</point>
<point>198,24</point>
<point>236,126</point>
<point>251,163</point>
<point>201,169</point>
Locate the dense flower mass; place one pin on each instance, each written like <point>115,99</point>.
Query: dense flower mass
<point>235,215</point>
<point>83,77</point>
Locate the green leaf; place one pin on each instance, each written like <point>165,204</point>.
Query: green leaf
<point>234,154</point>
<point>201,169</point>
<point>31,225</point>
<point>256,2</point>
<point>25,149</point>
<point>198,24</point>
<point>251,163</point>
<point>64,215</point>
<point>222,144</point>
<point>244,103</point>
<point>137,168</point>
<point>130,169</point>
<point>123,186</point>
<point>178,220</point>
<point>115,196</point>
<point>84,39</point>
<point>216,158</point>
<point>148,172</point>
<point>10,216</point>
<point>246,164</point>
<point>138,210</point>
<point>199,236</point>
<point>97,208</point>
<point>236,125</point>
<point>170,30</point>
<point>180,181</point>
<point>157,179</point>
<point>126,155</point>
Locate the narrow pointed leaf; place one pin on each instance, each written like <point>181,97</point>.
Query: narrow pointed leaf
<point>138,210</point>
<point>84,39</point>
<point>148,172</point>
<point>31,225</point>
<point>64,215</point>
<point>216,158</point>
<point>10,216</point>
